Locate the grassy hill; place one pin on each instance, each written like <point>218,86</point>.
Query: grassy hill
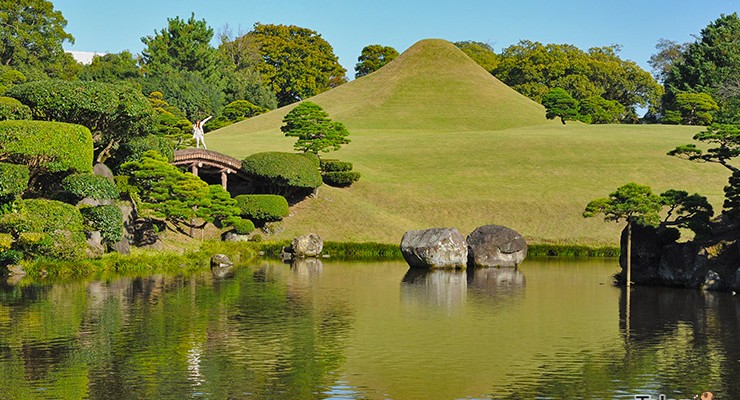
<point>440,142</point>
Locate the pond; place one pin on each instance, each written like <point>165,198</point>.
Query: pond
<point>552,329</point>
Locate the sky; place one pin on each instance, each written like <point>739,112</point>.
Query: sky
<point>107,26</point>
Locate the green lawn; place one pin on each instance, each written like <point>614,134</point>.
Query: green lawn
<point>439,142</point>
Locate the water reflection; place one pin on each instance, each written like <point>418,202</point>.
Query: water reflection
<point>497,283</point>
<point>436,288</point>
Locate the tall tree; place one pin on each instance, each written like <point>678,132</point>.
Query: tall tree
<point>297,62</point>
<point>632,203</point>
<point>559,103</point>
<point>669,53</point>
<point>242,77</point>
<point>481,53</point>
<point>372,58</point>
<point>31,38</point>
<point>710,65</point>
<point>112,68</point>
<point>314,129</point>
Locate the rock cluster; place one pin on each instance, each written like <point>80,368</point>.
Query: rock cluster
<point>487,246</point>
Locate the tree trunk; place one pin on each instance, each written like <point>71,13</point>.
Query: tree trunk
<point>629,255</point>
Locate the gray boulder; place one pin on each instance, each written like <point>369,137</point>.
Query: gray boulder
<point>434,248</point>
<point>234,237</point>
<point>495,246</point>
<point>104,171</point>
<point>307,246</point>
<point>123,246</point>
<point>95,246</point>
<point>221,261</point>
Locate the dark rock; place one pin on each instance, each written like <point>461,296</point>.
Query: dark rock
<point>123,246</point>
<point>307,246</point>
<point>434,248</point>
<point>736,285</point>
<point>496,246</point>
<point>220,261</point>
<point>712,281</point>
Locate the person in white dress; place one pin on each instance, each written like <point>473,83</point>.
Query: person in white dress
<point>198,133</point>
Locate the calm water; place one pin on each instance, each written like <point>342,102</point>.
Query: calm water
<point>553,329</point>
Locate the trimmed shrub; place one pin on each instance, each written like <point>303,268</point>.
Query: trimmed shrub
<point>117,110</point>
<point>262,207</point>
<point>90,185</point>
<point>13,179</point>
<point>333,165</point>
<point>47,146</point>
<point>46,228</point>
<point>242,226</point>
<point>6,241</point>
<point>341,179</point>
<point>8,257</point>
<point>11,108</point>
<point>291,175</point>
<point>107,219</point>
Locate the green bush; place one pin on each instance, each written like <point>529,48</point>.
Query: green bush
<point>6,241</point>
<point>90,185</point>
<point>46,228</point>
<point>11,108</point>
<point>262,207</point>
<point>13,179</point>
<point>117,110</point>
<point>47,146</point>
<point>108,219</point>
<point>332,165</point>
<point>341,179</point>
<point>242,226</point>
<point>287,174</point>
<point>8,257</point>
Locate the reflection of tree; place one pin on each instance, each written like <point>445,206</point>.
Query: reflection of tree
<point>170,337</point>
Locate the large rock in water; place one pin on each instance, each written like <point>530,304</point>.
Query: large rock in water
<point>495,246</point>
<point>434,248</point>
<point>307,246</point>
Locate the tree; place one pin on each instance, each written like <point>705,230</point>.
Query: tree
<point>297,62</point>
<point>559,103</point>
<point>242,78</point>
<point>669,53</point>
<point>633,203</point>
<point>687,211</point>
<point>598,110</point>
<point>533,69</point>
<point>31,38</point>
<point>481,53</point>
<point>696,108</point>
<point>372,58</point>
<point>112,68</point>
<point>314,129</point>
<point>711,65</point>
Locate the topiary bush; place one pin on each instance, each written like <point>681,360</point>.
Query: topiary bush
<point>46,228</point>
<point>242,226</point>
<point>6,241</point>
<point>90,185</point>
<point>340,179</point>
<point>262,207</point>
<point>333,165</point>
<point>13,179</point>
<point>8,257</point>
<point>47,146</point>
<point>11,108</point>
<point>108,219</point>
<point>293,176</point>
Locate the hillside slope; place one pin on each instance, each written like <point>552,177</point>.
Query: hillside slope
<point>440,142</point>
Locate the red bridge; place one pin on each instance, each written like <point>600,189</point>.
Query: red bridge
<point>209,164</point>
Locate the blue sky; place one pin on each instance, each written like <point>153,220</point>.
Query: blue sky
<point>114,26</point>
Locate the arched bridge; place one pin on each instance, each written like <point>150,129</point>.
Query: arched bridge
<point>207,164</point>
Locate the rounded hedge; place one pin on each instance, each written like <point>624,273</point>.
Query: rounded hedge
<point>333,165</point>
<point>108,219</point>
<point>11,108</point>
<point>13,179</point>
<point>242,226</point>
<point>46,228</point>
<point>341,179</point>
<point>90,185</point>
<point>284,170</point>
<point>262,207</point>
<point>48,146</point>
<point>133,149</point>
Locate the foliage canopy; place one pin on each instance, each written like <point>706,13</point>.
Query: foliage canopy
<point>314,129</point>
